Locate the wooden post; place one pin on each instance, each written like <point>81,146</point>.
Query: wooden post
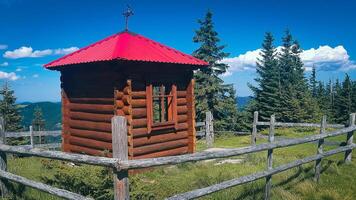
<point>31,137</point>
<point>320,150</point>
<point>270,158</point>
<point>120,151</point>
<point>3,159</point>
<point>350,138</point>
<point>254,128</point>
<point>209,129</point>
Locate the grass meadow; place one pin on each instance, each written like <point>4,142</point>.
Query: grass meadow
<point>337,181</point>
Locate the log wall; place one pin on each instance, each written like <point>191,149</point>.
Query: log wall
<point>91,98</point>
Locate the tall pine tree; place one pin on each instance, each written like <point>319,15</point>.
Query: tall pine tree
<point>8,109</point>
<point>313,82</point>
<point>267,93</point>
<point>210,92</point>
<point>343,100</point>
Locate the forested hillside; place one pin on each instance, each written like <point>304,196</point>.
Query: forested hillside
<point>51,114</point>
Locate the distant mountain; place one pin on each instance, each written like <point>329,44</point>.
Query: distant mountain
<point>52,113</point>
<point>243,101</point>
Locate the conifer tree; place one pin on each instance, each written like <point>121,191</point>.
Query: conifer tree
<point>267,93</point>
<point>38,122</point>
<point>10,114</point>
<point>313,83</point>
<point>210,92</point>
<point>343,100</point>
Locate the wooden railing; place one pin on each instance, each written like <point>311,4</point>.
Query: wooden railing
<point>120,163</point>
<point>39,134</point>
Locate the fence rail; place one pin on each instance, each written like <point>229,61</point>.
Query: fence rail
<point>120,163</point>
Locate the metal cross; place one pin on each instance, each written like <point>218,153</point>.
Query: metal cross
<point>127,14</point>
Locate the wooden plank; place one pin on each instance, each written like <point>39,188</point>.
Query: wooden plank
<point>88,151</point>
<point>138,103</point>
<point>160,138</point>
<point>91,116</point>
<point>320,150</point>
<point>199,124</point>
<point>58,155</point>
<point>35,133</point>
<point>87,125</point>
<point>96,135</point>
<point>3,159</point>
<point>256,176</point>
<point>181,93</point>
<point>190,103</point>
<point>90,143</point>
<point>160,147</point>
<point>91,100</point>
<point>135,164</point>
<point>182,110</point>
<point>138,95</point>
<point>254,128</point>
<point>120,151</point>
<point>350,138</point>
<point>284,124</point>
<point>95,108</point>
<point>181,101</point>
<point>139,123</point>
<point>209,132</point>
<point>170,152</point>
<point>270,159</point>
<point>139,113</point>
<point>42,187</point>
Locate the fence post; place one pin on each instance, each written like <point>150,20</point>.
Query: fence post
<point>270,158</point>
<point>350,138</point>
<point>209,129</point>
<point>31,137</point>
<point>254,128</point>
<point>3,159</point>
<point>320,150</point>
<point>120,151</point>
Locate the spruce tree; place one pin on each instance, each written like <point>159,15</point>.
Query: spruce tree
<point>10,114</point>
<point>313,83</point>
<point>210,92</point>
<point>38,122</point>
<point>267,93</point>
<point>343,100</point>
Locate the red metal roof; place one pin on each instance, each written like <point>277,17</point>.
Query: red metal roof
<point>126,46</point>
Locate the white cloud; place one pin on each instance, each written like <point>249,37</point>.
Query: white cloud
<point>8,76</point>
<point>324,58</point>
<point>3,46</point>
<point>18,69</point>
<point>28,52</point>
<point>4,64</point>
<point>65,51</point>
<point>35,76</point>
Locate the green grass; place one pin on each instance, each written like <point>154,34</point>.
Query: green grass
<point>337,179</point>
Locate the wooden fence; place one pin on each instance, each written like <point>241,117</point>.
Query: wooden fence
<point>33,134</point>
<point>120,163</point>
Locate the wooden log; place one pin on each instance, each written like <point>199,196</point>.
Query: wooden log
<point>88,151</point>
<point>126,100</point>
<point>58,155</point>
<point>138,103</point>
<point>138,113</point>
<point>90,143</point>
<point>91,100</point>
<point>181,94</point>
<point>270,159</point>
<point>320,150</point>
<point>253,177</point>
<point>182,110</point>
<point>138,95</point>
<point>91,108</point>
<point>254,128</point>
<point>119,104</point>
<point>87,125</point>
<point>181,101</point>
<point>160,138</point>
<point>182,126</point>
<point>182,118</point>
<point>120,151</point>
<point>42,187</point>
<point>96,135</point>
<point>138,132</point>
<point>350,138</point>
<point>65,119</point>
<point>170,152</point>
<point>160,147</point>
<point>209,132</point>
<point>119,95</point>
<point>139,123</point>
<point>90,116</point>
<point>127,91</point>
<point>134,164</point>
<point>284,124</point>
<point>31,137</point>
<point>3,159</point>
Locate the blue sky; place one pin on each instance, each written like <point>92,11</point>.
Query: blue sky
<point>34,32</point>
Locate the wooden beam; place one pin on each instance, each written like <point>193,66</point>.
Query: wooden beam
<point>3,158</point>
<point>270,159</point>
<point>350,138</point>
